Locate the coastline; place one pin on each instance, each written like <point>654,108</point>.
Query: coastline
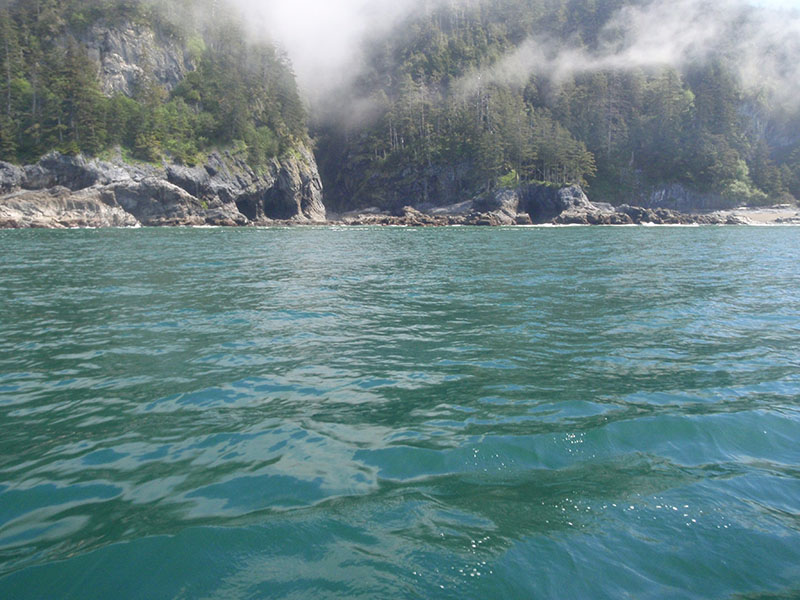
<point>744,216</point>
<point>759,221</point>
<point>64,192</point>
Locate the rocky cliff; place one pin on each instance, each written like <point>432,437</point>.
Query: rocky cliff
<point>127,53</point>
<point>63,191</point>
<point>66,191</point>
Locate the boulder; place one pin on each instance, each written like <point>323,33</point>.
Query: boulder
<point>155,202</point>
<point>657,216</point>
<point>11,177</point>
<point>523,219</point>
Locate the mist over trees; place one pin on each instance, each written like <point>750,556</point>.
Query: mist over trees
<point>450,98</point>
<point>465,96</point>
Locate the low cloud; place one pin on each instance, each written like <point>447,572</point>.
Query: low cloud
<point>763,45</point>
<point>326,42</point>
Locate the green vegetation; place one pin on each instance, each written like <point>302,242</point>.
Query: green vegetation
<point>237,94</point>
<point>434,129</point>
<point>433,121</point>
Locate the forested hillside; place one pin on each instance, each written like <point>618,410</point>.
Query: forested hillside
<point>436,126</point>
<point>216,89</point>
<point>460,97</point>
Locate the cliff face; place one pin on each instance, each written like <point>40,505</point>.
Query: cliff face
<point>128,53</point>
<point>679,197</point>
<point>62,191</point>
<point>290,189</point>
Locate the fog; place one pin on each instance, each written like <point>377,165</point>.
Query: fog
<point>325,38</point>
<point>762,43</point>
<point>325,41</point>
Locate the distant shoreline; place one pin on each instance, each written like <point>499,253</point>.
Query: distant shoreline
<point>757,218</point>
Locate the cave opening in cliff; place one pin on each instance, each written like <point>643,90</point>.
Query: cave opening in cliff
<point>279,206</point>
<point>248,206</point>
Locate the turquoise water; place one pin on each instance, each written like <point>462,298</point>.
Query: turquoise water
<point>396,413</point>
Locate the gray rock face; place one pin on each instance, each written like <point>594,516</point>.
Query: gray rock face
<point>680,198</point>
<point>121,50</point>
<point>544,203</point>
<point>157,202</point>
<point>11,177</point>
<point>66,191</point>
<point>287,190</point>
<point>501,208</point>
<point>60,208</point>
<point>73,172</point>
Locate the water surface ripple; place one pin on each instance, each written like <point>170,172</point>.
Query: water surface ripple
<point>399,413</point>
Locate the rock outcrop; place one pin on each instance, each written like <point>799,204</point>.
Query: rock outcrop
<point>123,52</point>
<point>538,204</point>
<point>11,177</point>
<point>545,202</point>
<point>289,189</point>
<point>73,191</point>
<point>679,198</point>
<point>500,208</point>
<point>61,208</point>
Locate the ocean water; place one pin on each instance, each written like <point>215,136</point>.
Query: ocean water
<point>400,413</point>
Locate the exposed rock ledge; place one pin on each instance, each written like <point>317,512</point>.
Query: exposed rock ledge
<point>64,191</point>
<point>538,204</point>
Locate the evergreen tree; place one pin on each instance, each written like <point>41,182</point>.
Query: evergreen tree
<point>51,98</point>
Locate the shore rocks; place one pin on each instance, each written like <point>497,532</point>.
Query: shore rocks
<point>11,177</point>
<point>289,189</point>
<point>545,203</point>
<point>538,204</point>
<point>60,208</point>
<point>73,191</point>
<point>500,208</point>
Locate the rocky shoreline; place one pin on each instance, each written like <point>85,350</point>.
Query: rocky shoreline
<point>61,192</point>
<point>538,205</point>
